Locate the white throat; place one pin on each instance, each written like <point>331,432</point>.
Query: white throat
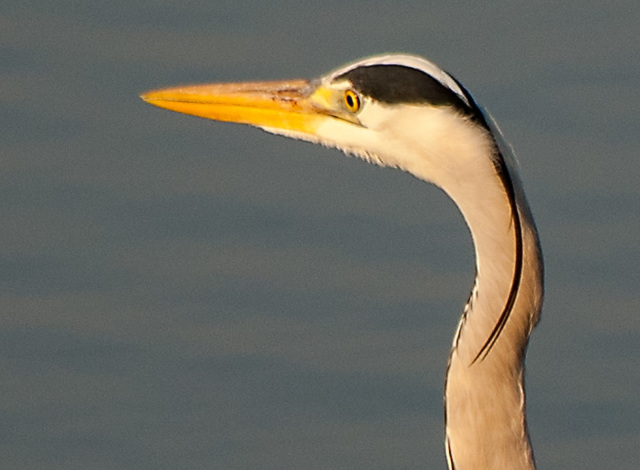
<point>485,401</point>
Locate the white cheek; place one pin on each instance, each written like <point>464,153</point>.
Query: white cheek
<point>432,143</point>
<point>351,138</point>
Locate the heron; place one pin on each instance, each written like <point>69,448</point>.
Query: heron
<point>403,111</point>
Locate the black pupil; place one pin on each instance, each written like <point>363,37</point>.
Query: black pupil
<point>350,100</point>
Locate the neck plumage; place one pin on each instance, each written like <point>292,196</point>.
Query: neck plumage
<point>484,391</point>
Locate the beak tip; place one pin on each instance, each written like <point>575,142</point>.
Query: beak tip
<point>150,97</point>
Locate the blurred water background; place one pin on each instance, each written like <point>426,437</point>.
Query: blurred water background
<point>183,294</point>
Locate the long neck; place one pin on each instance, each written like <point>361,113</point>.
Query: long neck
<point>484,392</point>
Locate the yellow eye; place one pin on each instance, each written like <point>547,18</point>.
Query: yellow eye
<point>352,101</point>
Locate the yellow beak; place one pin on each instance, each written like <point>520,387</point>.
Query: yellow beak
<point>285,105</point>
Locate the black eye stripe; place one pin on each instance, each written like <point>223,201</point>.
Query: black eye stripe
<point>394,84</point>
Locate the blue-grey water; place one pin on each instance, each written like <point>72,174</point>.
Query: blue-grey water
<point>182,294</point>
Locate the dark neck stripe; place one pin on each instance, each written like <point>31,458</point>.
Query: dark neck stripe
<point>507,182</point>
<point>503,173</point>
